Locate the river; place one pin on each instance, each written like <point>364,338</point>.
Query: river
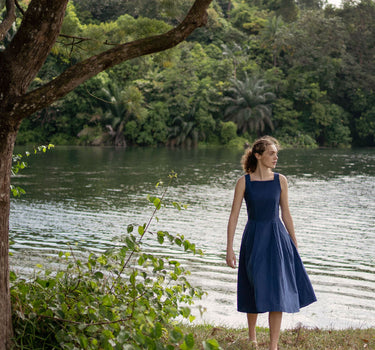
<point>87,195</point>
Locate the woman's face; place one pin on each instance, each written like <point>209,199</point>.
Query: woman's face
<point>269,157</point>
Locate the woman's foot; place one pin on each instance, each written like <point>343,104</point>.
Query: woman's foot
<point>254,345</point>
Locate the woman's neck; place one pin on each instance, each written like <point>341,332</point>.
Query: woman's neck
<point>262,173</point>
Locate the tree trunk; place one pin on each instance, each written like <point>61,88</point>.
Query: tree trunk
<point>8,133</point>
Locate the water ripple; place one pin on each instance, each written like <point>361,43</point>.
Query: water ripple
<point>334,216</point>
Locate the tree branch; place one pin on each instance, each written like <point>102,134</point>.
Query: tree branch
<point>82,39</point>
<point>80,72</point>
<point>19,7</point>
<point>9,19</point>
<point>40,27</point>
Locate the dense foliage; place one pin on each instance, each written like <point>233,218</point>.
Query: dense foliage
<point>129,297</point>
<point>300,72</point>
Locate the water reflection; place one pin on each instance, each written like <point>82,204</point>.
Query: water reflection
<point>89,195</point>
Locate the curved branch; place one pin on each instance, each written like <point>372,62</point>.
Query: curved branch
<point>9,19</point>
<point>19,7</point>
<point>44,96</point>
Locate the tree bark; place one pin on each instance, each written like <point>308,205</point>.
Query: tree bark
<point>20,64</point>
<point>8,133</point>
<point>27,52</point>
<point>9,19</point>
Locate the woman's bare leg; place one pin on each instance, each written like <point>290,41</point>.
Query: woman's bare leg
<point>274,320</point>
<point>251,321</point>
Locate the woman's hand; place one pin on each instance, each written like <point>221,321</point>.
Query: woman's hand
<point>231,258</point>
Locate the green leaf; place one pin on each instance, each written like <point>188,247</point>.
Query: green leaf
<point>192,318</point>
<point>107,300</point>
<point>98,275</point>
<point>12,276</point>
<point>211,344</point>
<point>186,245</point>
<point>161,235</point>
<point>83,341</point>
<point>130,242</point>
<point>185,312</point>
<point>141,230</point>
<point>102,260</point>
<point>188,342</point>
<point>157,203</point>
<point>176,335</point>
<point>141,260</point>
<point>158,330</point>
<point>60,313</point>
<point>133,277</point>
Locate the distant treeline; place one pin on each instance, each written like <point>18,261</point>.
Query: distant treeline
<point>302,72</point>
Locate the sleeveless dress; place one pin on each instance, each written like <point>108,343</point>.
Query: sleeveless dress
<point>271,275</point>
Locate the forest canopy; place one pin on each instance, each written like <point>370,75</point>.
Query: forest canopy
<point>302,71</point>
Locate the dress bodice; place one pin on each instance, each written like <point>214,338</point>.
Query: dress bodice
<point>262,199</point>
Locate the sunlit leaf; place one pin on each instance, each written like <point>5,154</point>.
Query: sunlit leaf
<point>141,230</point>
<point>211,344</point>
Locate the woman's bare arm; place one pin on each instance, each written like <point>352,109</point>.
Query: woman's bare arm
<point>233,219</point>
<point>285,212</point>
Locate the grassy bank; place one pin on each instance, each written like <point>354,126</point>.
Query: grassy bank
<point>298,338</point>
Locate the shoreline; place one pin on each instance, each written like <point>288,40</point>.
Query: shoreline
<point>301,338</point>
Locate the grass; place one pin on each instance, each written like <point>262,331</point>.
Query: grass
<point>299,338</point>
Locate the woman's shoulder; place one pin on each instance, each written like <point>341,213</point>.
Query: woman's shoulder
<point>243,177</point>
<point>283,180</point>
<point>241,182</point>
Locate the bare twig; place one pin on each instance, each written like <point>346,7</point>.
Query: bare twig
<point>19,7</point>
<point>144,232</point>
<point>98,98</point>
<point>82,39</point>
<point>85,324</point>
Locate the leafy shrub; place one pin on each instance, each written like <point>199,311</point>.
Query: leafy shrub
<point>297,140</point>
<point>27,137</point>
<point>228,131</point>
<point>125,298</point>
<point>62,139</point>
<point>239,143</point>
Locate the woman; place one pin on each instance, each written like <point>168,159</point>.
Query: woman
<point>271,275</point>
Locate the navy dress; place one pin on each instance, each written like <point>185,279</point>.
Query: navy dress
<point>271,275</point>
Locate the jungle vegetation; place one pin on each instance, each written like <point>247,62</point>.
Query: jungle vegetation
<point>301,71</point>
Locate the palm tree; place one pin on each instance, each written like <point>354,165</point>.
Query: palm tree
<point>122,105</point>
<point>183,133</point>
<point>250,104</point>
<point>237,54</point>
<point>271,36</point>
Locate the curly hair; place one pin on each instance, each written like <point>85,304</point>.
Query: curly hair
<point>249,161</point>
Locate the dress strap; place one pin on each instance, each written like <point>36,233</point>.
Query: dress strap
<point>247,180</point>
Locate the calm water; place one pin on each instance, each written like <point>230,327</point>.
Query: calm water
<point>88,195</point>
